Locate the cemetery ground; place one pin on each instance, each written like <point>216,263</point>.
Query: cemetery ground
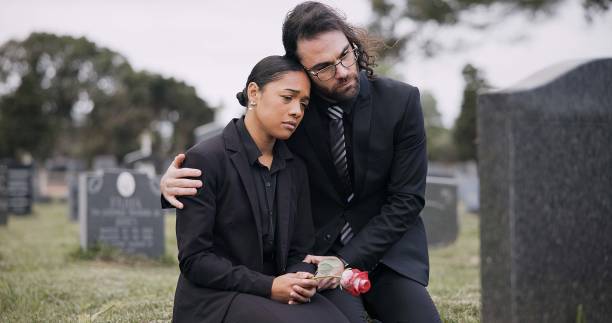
<point>45,277</point>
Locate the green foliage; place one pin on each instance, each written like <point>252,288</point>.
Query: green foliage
<point>407,25</point>
<point>464,132</point>
<point>439,143</point>
<point>23,123</point>
<point>67,96</point>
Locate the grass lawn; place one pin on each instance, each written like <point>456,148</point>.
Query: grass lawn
<point>44,277</point>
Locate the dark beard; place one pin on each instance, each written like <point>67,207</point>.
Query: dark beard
<point>334,96</point>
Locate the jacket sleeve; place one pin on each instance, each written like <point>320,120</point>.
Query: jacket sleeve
<point>302,239</point>
<point>405,192</point>
<point>194,231</point>
<point>164,203</point>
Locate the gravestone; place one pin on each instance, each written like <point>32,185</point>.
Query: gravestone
<point>20,188</point>
<point>545,166</point>
<point>440,212</point>
<point>3,193</point>
<point>121,209</point>
<point>73,196</point>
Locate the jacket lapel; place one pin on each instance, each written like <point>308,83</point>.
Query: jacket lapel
<point>362,122</point>
<point>241,164</point>
<point>320,144</point>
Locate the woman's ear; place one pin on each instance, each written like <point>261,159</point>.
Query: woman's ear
<point>253,94</point>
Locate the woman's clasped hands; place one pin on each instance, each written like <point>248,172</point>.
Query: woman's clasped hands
<point>294,288</point>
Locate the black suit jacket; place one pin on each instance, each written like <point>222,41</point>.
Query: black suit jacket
<point>390,167</point>
<point>219,232</point>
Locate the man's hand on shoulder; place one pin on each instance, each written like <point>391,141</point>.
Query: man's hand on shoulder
<point>174,183</point>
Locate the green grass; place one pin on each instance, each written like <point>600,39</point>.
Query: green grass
<point>455,275</point>
<point>45,277</point>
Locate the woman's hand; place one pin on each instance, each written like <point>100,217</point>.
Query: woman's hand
<point>326,283</point>
<point>293,288</point>
<point>174,183</point>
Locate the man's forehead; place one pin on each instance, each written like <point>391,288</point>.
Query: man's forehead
<point>324,47</point>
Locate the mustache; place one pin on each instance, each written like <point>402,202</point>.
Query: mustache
<point>344,81</point>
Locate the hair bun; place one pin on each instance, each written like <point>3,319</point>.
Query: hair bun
<point>241,98</point>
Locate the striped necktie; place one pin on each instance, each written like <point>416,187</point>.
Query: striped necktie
<point>338,153</point>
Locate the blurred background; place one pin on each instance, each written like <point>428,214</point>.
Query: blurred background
<point>80,79</point>
<point>94,85</point>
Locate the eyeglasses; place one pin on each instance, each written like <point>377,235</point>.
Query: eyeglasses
<point>329,71</point>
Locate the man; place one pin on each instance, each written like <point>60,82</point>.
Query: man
<point>363,141</point>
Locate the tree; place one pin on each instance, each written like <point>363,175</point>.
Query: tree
<point>65,96</point>
<point>412,25</point>
<point>439,146</point>
<point>464,132</point>
<point>23,124</point>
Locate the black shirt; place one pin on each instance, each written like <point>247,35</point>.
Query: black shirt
<point>265,185</point>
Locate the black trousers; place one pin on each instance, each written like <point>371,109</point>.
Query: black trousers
<point>249,308</point>
<point>392,298</point>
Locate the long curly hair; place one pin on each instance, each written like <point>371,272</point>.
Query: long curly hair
<point>309,19</point>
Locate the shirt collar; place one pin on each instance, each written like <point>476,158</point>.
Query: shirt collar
<point>346,106</point>
<point>280,150</point>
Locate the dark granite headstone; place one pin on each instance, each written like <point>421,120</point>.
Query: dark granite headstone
<point>3,193</point>
<point>440,212</point>
<point>20,188</point>
<point>545,165</point>
<point>121,209</point>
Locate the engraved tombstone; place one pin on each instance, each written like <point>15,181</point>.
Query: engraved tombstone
<point>20,188</point>
<point>121,209</point>
<point>545,165</point>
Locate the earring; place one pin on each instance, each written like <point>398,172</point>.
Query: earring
<point>253,103</point>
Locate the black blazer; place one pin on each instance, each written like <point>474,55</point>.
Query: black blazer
<point>219,232</point>
<point>389,166</point>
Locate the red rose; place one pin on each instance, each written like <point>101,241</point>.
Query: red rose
<point>355,281</point>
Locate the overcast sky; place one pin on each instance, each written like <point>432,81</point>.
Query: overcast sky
<point>212,45</point>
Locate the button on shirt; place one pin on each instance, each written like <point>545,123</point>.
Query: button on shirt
<point>265,185</point>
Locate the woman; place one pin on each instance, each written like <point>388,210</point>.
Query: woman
<point>243,236</point>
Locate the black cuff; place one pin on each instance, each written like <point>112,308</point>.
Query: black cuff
<point>165,204</point>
